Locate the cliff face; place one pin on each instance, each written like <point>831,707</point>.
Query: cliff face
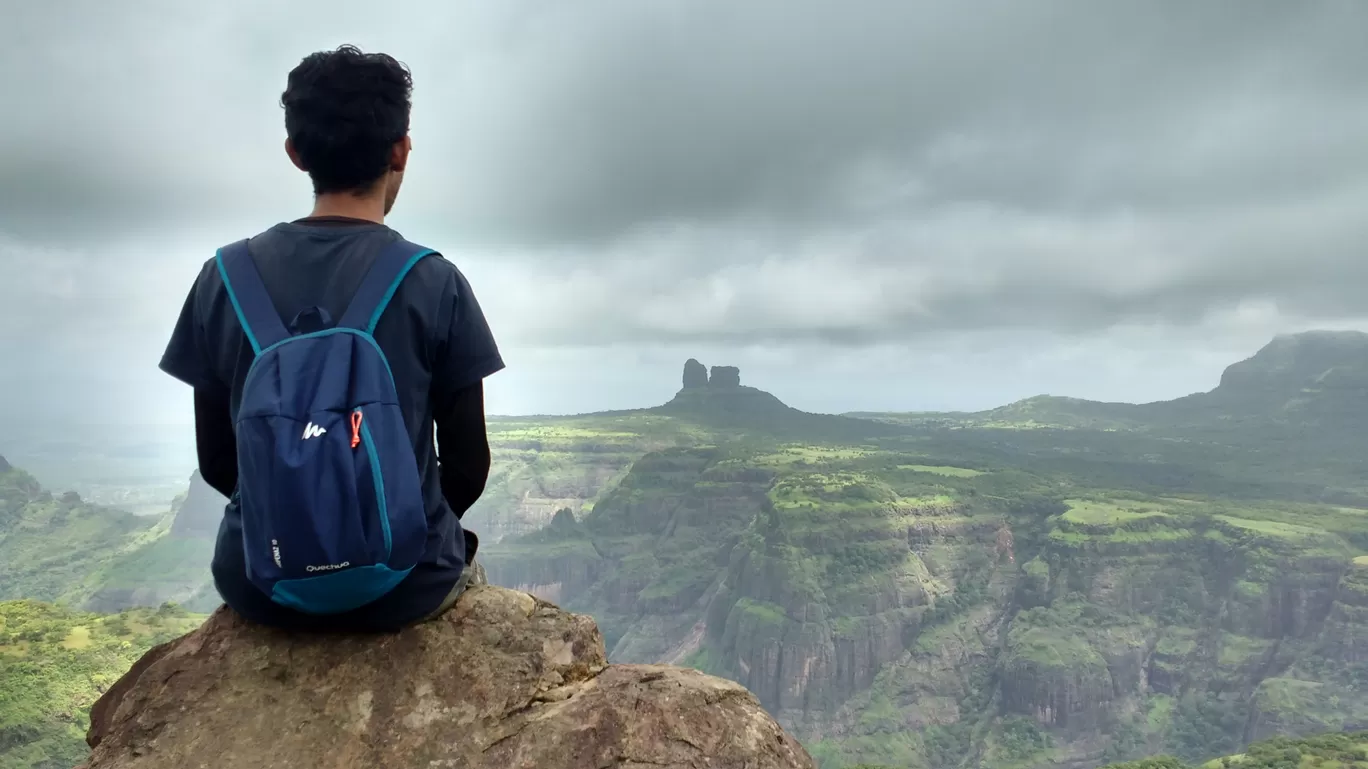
<point>502,680</point>
<point>58,548</point>
<point>861,595</point>
<point>199,511</point>
<point>540,466</point>
<point>741,569</point>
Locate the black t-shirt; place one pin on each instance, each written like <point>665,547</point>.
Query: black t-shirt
<point>439,347</point>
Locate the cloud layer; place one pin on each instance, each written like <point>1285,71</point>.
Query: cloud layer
<point>802,177</point>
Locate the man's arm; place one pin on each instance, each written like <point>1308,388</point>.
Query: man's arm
<point>464,353</point>
<point>186,358</point>
<point>463,447</point>
<point>215,442</point>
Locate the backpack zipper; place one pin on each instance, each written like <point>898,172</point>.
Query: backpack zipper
<point>356,427</point>
<point>380,503</point>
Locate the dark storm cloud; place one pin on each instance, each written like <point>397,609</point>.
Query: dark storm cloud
<point>642,171</point>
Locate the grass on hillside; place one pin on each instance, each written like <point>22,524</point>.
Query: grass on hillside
<point>1112,512</point>
<point>55,663</point>
<point>1324,751</point>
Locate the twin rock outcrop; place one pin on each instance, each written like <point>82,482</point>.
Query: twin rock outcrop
<point>501,681</point>
<point>696,376</point>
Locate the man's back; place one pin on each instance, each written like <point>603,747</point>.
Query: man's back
<point>438,346</point>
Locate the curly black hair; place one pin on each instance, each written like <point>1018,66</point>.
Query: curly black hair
<point>344,110</point>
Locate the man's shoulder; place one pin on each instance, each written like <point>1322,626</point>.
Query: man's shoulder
<point>435,278</point>
<point>435,266</point>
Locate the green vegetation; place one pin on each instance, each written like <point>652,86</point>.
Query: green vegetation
<point>951,472</point>
<point>54,663</point>
<point>60,549</point>
<point>1009,589</point>
<point>1325,751</point>
<point>49,543</point>
<point>1110,512</point>
<point>1056,582</point>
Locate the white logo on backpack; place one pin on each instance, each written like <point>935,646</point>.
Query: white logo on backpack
<point>312,430</point>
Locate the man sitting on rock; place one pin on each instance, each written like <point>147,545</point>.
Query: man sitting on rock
<point>362,342</point>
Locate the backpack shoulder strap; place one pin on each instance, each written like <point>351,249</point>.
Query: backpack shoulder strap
<point>255,310</point>
<point>380,283</point>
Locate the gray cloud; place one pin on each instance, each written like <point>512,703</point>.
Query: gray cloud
<point>620,174</point>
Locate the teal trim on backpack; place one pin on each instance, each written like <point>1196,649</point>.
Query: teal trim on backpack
<point>237,308</point>
<point>312,335</point>
<point>379,487</point>
<point>384,302</point>
<point>340,591</point>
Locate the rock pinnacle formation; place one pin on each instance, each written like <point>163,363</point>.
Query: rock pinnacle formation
<point>695,374</point>
<point>725,376</point>
<point>502,681</point>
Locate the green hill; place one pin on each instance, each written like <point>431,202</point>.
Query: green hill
<point>60,549</point>
<point>1300,382</point>
<point>49,543</point>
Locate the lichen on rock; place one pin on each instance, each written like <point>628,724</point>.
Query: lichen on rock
<point>502,680</point>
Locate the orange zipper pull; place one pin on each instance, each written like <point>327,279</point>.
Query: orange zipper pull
<point>356,428</point>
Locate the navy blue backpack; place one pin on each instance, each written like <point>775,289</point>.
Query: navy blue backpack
<point>332,504</point>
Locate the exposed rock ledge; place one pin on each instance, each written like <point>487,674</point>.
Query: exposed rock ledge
<point>503,680</point>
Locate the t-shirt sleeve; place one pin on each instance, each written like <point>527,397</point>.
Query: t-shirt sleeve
<point>187,357</point>
<point>465,350</point>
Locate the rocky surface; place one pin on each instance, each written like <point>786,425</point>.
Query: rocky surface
<point>5,465</point>
<point>503,680</point>
<point>695,374</point>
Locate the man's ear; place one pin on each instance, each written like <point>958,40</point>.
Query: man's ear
<point>294,156</point>
<point>399,154</point>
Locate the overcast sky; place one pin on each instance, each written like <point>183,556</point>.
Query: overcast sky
<point>864,205</point>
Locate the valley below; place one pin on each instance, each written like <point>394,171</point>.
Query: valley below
<point>1053,583</point>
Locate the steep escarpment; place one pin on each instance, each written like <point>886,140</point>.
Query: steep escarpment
<point>541,466</point>
<point>890,609</point>
<point>198,511</point>
<point>58,548</point>
<point>501,680</point>
<point>170,563</point>
<point>1326,685</point>
<point>832,582</point>
<point>651,550</point>
<point>50,543</point>
<point>799,583</point>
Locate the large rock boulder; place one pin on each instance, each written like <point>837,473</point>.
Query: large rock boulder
<point>695,374</point>
<point>503,681</point>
